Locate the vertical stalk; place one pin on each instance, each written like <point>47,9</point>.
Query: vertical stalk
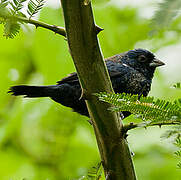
<point>93,75</point>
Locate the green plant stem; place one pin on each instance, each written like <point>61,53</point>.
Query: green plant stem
<point>84,48</point>
<point>130,126</point>
<point>55,29</point>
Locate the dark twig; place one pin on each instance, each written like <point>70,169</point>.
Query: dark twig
<point>132,125</point>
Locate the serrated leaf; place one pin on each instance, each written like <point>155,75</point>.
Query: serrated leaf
<point>178,141</point>
<point>179,165</point>
<point>21,14</point>
<point>13,6</point>
<point>4,3</point>
<point>3,11</point>
<point>34,6</point>
<point>146,107</point>
<point>16,5</point>
<point>95,173</point>
<point>15,2</point>
<point>178,153</point>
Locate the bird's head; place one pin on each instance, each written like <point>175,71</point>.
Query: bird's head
<point>143,61</point>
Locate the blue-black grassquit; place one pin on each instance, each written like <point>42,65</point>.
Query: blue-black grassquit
<point>130,72</point>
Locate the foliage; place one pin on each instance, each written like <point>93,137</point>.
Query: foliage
<point>167,11</point>
<point>11,28</point>
<point>3,9</point>
<point>145,108</point>
<point>16,6</point>
<point>3,3</point>
<point>34,7</point>
<point>150,110</point>
<point>178,152</point>
<point>95,173</point>
<point>11,15</point>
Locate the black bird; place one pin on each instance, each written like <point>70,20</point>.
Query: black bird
<point>130,72</point>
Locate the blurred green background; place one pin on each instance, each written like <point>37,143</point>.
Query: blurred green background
<point>42,140</point>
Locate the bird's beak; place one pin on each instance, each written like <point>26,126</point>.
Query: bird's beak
<point>156,63</point>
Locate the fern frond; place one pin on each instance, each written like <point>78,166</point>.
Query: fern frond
<point>11,25</point>
<point>16,6</point>
<point>179,165</point>
<point>34,6</point>
<point>4,3</point>
<point>8,17</point>
<point>11,28</point>
<point>95,173</point>
<point>12,13</point>
<point>178,141</point>
<point>178,152</point>
<point>167,11</point>
<point>145,107</point>
<point>3,8</point>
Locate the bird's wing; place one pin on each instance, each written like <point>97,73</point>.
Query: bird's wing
<point>116,58</point>
<point>71,78</point>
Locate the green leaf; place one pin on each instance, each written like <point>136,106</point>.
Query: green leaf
<point>21,14</point>
<point>95,173</point>
<point>34,6</point>
<point>178,153</point>
<point>178,140</point>
<point>4,3</point>
<point>11,28</point>
<point>3,11</point>
<point>179,165</point>
<point>13,6</point>
<point>16,6</point>
<point>144,107</point>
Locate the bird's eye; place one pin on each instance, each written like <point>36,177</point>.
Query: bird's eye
<point>142,58</point>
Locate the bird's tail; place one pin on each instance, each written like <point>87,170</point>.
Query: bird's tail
<point>32,91</point>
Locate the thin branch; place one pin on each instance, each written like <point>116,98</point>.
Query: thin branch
<point>132,125</point>
<point>55,29</point>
